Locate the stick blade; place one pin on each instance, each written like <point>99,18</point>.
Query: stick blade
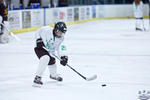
<point>91,78</point>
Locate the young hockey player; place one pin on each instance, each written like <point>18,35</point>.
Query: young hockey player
<point>138,14</point>
<point>3,19</point>
<point>48,42</point>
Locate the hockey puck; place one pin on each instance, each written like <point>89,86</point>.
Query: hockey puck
<point>103,85</point>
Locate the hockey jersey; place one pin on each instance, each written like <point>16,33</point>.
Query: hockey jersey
<point>138,10</point>
<point>52,44</point>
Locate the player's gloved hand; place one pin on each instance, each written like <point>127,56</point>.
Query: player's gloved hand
<point>64,60</point>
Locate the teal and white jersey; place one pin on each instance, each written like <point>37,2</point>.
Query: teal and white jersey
<point>53,44</point>
<point>138,10</point>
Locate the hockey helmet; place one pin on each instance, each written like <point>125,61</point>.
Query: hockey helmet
<point>60,26</point>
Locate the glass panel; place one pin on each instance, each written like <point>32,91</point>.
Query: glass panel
<point>97,2</point>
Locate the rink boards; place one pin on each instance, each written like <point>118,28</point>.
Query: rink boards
<point>31,19</point>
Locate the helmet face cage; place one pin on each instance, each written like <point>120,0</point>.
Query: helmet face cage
<point>57,35</point>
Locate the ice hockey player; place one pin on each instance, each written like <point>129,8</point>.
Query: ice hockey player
<point>51,39</point>
<point>138,14</point>
<point>3,19</point>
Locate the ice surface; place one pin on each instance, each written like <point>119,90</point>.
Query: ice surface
<point>112,49</point>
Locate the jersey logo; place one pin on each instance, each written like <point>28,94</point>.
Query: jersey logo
<point>63,47</point>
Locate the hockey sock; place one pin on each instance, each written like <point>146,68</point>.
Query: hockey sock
<point>44,60</point>
<point>52,69</point>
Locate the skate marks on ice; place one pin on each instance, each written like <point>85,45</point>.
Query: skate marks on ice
<point>134,33</point>
<point>91,85</point>
<point>49,84</point>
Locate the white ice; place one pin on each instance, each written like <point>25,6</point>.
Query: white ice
<point>112,49</point>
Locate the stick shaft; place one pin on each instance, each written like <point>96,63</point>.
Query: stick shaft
<point>73,69</point>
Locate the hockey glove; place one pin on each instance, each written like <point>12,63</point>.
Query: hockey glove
<point>64,60</point>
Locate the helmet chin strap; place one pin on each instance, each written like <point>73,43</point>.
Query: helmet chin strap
<point>58,36</point>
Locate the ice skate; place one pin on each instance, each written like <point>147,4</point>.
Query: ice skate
<point>37,82</point>
<point>138,29</point>
<point>56,77</point>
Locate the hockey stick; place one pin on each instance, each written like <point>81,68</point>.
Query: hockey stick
<point>86,78</point>
<point>11,33</point>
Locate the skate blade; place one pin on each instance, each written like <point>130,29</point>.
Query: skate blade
<point>36,85</point>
